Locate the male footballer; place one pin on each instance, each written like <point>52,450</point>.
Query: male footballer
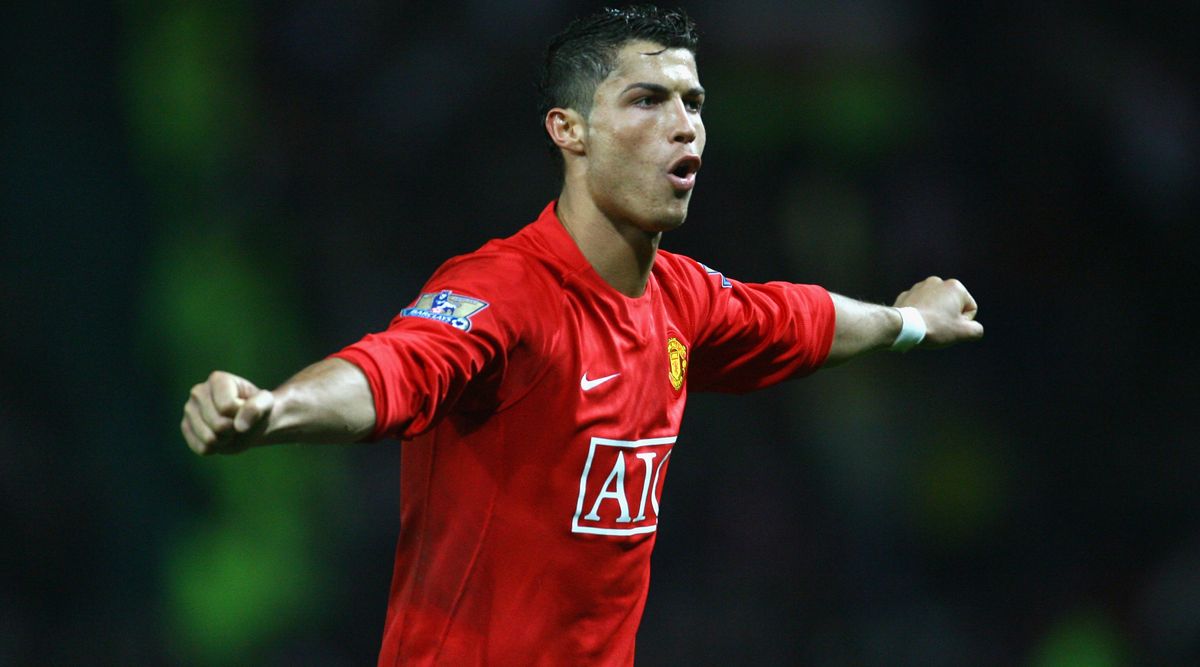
<point>539,382</point>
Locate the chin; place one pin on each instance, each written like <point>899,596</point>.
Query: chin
<point>663,221</point>
<point>671,215</point>
<point>675,217</point>
<point>662,215</point>
<point>674,222</point>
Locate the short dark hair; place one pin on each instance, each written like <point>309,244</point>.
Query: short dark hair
<point>585,52</point>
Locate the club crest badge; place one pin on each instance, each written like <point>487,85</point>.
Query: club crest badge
<point>447,307</point>
<point>677,362</point>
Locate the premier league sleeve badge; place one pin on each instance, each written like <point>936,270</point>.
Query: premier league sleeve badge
<point>446,307</point>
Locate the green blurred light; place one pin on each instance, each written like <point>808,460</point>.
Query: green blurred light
<point>848,110</point>
<point>1084,638</point>
<point>959,484</point>
<point>211,305</point>
<point>185,81</point>
<point>250,568</point>
<point>233,587</point>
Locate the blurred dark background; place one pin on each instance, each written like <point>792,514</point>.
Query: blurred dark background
<point>187,186</point>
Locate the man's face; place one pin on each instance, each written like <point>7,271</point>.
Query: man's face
<point>645,137</point>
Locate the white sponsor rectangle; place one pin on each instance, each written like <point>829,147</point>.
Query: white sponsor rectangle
<point>620,487</point>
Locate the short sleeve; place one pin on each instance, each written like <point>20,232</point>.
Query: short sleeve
<point>750,336</point>
<point>453,341</point>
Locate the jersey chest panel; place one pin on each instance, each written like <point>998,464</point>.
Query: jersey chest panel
<point>614,392</point>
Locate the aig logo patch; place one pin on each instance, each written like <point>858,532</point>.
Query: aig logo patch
<point>620,487</point>
<point>446,306</point>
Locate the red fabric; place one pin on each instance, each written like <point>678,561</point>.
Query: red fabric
<point>529,504</point>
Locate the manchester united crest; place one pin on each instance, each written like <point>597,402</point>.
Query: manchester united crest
<point>677,362</point>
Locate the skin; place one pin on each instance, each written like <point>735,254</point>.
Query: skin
<point>617,200</point>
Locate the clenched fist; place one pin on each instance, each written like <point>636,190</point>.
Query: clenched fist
<point>948,309</point>
<point>225,414</point>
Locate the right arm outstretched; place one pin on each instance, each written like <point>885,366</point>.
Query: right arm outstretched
<point>328,402</point>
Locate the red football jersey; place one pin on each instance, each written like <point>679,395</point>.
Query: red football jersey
<point>543,407</point>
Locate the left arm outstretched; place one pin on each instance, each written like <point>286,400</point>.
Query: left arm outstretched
<point>947,308</point>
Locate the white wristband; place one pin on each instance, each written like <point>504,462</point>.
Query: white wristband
<point>912,329</point>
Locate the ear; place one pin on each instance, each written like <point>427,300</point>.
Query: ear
<point>567,129</point>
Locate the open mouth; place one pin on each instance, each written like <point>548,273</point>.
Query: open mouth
<point>682,172</point>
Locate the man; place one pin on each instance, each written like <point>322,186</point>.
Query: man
<point>540,381</point>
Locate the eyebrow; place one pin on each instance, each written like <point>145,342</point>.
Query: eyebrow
<point>698,91</point>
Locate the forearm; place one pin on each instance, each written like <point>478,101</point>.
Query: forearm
<point>942,313</point>
<point>861,328</point>
<point>328,402</point>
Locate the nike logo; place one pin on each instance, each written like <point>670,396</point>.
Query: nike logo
<point>587,385</point>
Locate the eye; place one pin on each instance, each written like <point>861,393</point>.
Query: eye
<point>694,105</point>
<point>645,101</point>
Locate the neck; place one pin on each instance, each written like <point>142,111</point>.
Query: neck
<point>618,250</point>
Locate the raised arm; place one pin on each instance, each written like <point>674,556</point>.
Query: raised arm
<point>328,402</point>
<point>946,307</point>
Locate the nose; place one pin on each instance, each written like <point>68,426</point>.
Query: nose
<point>684,126</point>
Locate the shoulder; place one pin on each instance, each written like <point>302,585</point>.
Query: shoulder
<point>496,287</point>
<point>689,287</point>
<point>483,265</point>
<point>675,270</point>
<point>504,267</point>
